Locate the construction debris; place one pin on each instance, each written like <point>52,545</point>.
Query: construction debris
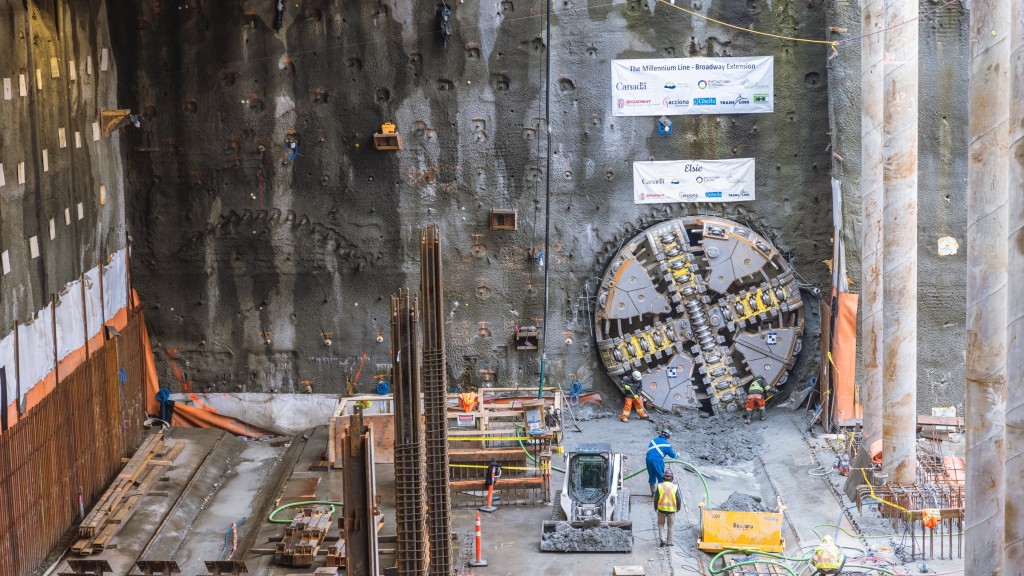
<point>566,538</point>
<point>740,502</point>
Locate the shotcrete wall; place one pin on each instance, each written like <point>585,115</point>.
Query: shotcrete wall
<point>248,262</point>
<point>942,184</point>
<point>56,74</point>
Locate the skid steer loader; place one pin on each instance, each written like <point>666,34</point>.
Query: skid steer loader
<point>591,512</point>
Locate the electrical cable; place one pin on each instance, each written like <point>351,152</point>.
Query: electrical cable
<point>271,517</point>
<point>547,203</point>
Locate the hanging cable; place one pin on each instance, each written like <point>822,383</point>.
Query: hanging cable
<point>547,202</point>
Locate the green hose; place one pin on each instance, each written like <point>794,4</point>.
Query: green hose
<point>271,518</point>
<point>688,466</point>
<point>530,456</point>
<point>724,568</point>
<point>759,553</point>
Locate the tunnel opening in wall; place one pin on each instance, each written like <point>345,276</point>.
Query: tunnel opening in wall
<point>701,306</point>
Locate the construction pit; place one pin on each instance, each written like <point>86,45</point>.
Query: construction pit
<point>214,502</point>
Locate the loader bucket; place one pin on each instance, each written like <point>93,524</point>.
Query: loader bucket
<point>565,536</point>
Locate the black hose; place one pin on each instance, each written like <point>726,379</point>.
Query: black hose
<point>547,203</point>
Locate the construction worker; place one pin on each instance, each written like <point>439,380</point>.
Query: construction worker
<point>755,397</point>
<point>657,450</point>
<point>828,559</point>
<point>633,385</point>
<point>667,502</point>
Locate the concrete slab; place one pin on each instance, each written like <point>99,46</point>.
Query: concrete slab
<point>228,480</point>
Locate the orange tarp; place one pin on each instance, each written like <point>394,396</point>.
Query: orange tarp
<point>184,415</point>
<point>844,361</point>
<point>191,416</point>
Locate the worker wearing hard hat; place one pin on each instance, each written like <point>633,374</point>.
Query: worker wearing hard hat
<point>667,502</point>
<point>828,559</point>
<point>755,397</point>
<point>633,385</point>
<point>657,450</point>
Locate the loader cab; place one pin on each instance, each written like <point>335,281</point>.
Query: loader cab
<point>590,478</point>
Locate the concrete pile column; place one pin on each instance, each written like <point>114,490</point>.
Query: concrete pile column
<point>988,137</point>
<point>872,90</point>
<point>1013,547</point>
<point>899,257</point>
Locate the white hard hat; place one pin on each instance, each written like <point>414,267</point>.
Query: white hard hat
<point>636,375</point>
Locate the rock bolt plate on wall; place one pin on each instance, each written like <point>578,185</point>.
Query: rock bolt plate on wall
<point>701,306</point>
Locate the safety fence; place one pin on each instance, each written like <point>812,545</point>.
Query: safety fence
<point>56,460</point>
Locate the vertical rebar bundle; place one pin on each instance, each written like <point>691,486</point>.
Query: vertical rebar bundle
<point>410,528</point>
<point>899,256</point>
<point>1013,547</point>
<point>434,403</point>
<point>872,86</point>
<point>987,173</point>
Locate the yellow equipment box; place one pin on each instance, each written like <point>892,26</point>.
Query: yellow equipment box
<point>725,530</point>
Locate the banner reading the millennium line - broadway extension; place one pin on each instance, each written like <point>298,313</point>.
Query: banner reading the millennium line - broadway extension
<point>673,86</point>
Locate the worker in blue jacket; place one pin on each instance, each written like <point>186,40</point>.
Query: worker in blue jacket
<point>657,451</point>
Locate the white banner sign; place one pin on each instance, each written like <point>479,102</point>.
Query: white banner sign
<point>672,86</point>
<point>693,181</point>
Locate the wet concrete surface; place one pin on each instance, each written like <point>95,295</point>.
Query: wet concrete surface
<point>237,476</point>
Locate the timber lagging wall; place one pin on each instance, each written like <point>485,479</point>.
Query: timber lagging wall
<point>70,444</point>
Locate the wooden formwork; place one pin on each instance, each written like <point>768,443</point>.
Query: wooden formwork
<point>494,431</point>
<point>491,431</point>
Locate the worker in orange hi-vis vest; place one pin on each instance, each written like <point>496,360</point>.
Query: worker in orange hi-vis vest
<point>633,385</point>
<point>667,502</point>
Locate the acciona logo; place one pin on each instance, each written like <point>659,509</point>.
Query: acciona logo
<point>668,102</point>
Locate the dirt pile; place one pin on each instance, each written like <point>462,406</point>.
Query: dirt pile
<point>721,440</point>
<point>740,502</point>
<point>565,538</point>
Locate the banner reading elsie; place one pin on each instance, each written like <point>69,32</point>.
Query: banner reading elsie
<point>729,180</point>
<point>673,86</point>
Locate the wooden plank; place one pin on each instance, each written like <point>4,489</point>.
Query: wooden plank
<point>463,455</point>
<point>628,570</point>
<point>501,484</point>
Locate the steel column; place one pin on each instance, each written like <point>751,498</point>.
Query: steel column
<point>410,528</point>
<point>360,499</point>
<point>434,403</point>
<point>899,257</point>
<point>1013,546</point>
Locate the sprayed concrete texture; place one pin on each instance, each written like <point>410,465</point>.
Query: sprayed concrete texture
<point>942,185</point>
<point>57,73</point>
<point>739,502</point>
<point>566,538</point>
<point>722,441</point>
<point>265,271</point>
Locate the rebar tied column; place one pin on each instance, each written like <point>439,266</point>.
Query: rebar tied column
<point>987,173</point>
<point>899,257</point>
<point>872,91</point>
<point>1013,540</point>
<point>434,403</point>
<point>410,529</point>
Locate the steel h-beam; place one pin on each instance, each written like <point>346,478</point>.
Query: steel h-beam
<point>434,403</point>
<point>411,546</point>
<point>987,173</point>
<point>1013,540</point>
<point>360,498</point>
<point>899,257</point>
